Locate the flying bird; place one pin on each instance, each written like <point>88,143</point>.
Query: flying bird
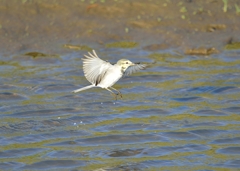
<point>102,74</point>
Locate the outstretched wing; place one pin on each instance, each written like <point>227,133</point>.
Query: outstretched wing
<point>134,68</point>
<point>94,68</point>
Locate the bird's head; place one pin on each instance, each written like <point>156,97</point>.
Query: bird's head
<point>124,63</point>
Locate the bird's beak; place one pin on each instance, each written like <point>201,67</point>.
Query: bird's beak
<point>132,64</point>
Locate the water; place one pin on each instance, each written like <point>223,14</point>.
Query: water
<point>182,113</point>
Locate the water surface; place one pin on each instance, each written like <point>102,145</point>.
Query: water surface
<point>180,113</point>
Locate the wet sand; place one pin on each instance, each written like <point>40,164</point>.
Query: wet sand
<point>48,26</point>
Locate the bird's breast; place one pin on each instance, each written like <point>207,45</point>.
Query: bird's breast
<point>111,77</point>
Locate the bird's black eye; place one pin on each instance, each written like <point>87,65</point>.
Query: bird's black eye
<point>126,62</point>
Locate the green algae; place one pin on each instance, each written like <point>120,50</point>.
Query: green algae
<point>122,44</point>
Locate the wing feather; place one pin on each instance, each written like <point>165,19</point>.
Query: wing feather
<point>94,68</point>
<point>134,68</point>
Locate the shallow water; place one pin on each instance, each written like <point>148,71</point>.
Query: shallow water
<point>182,113</point>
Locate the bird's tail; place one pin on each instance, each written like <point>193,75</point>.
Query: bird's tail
<point>84,88</point>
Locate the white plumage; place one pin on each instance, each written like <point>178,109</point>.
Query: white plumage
<point>103,74</point>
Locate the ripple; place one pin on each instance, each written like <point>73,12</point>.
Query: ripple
<point>158,163</point>
<point>89,119</point>
<point>208,132</point>
<point>201,89</point>
<point>114,140</point>
<point>11,96</point>
<point>141,89</point>
<point>144,165</point>
<point>235,140</point>
<point>146,113</point>
<point>27,60</point>
<point>187,99</point>
<point>122,127</point>
<point>180,135</point>
<point>168,150</point>
<point>131,127</point>
<point>41,137</point>
<point>149,78</point>
<point>41,81</point>
<point>229,150</point>
<point>44,113</point>
<point>16,153</point>
<point>64,153</point>
<point>229,164</point>
<point>30,125</point>
<point>233,109</point>
<point>125,153</point>
<point>55,164</point>
<point>10,165</point>
<point>7,86</point>
<point>227,89</point>
<point>210,113</point>
<point>55,88</point>
<point>205,124</point>
<point>153,152</point>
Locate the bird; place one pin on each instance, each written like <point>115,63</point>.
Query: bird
<point>103,74</point>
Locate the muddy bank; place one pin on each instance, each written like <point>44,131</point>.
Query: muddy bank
<point>53,26</point>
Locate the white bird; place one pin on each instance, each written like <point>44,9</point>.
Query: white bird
<point>103,74</point>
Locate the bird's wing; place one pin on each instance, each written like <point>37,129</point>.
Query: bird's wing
<point>94,68</point>
<point>134,68</point>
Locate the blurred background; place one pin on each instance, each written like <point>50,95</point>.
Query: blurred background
<point>46,26</point>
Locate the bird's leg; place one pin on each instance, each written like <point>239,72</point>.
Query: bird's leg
<point>115,95</point>
<point>119,93</point>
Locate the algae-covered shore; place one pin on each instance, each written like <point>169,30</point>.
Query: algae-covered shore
<point>49,26</point>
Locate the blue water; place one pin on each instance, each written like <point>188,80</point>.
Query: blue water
<point>181,113</point>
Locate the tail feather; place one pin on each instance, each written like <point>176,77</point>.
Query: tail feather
<point>84,88</point>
